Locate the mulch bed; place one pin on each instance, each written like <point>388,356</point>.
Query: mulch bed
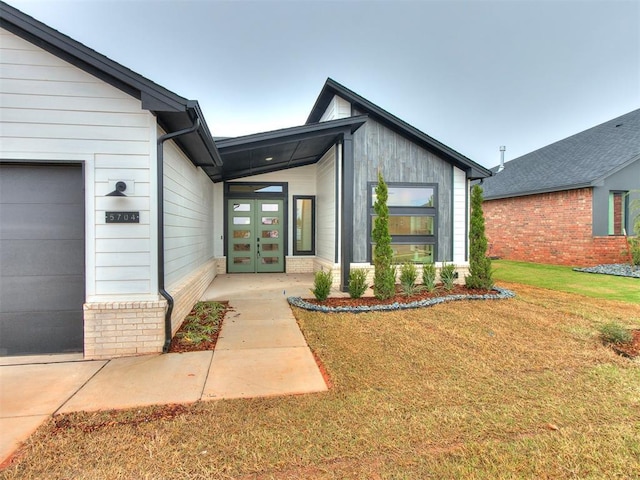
<point>179,345</point>
<point>630,349</point>
<point>399,298</point>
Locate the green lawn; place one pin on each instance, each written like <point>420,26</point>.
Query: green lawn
<point>565,279</point>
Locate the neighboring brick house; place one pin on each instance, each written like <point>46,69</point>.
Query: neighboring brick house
<point>568,203</point>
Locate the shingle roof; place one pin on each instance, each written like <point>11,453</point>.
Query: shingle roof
<point>578,161</point>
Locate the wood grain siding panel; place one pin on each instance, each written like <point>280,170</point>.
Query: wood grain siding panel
<point>51,110</point>
<point>326,206</point>
<point>188,216</point>
<point>378,148</point>
<point>301,181</point>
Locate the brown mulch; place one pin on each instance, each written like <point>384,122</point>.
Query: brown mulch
<point>630,349</point>
<point>179,345</point>
<point>399,298</point>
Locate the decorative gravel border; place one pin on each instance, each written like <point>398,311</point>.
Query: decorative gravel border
<point>617,269</point>
<point>502,293</point>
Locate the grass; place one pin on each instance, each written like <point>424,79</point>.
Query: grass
<point>519,388</point>
<point>565,279</point>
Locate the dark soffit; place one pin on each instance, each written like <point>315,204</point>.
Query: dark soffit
<point>287,148</point>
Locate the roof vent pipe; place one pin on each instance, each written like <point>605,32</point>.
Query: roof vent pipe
<point>502,149</point>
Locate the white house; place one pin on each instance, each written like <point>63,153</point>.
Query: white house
<point>117,208</point>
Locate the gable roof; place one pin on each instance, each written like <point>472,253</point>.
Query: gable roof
<point>581,160</point>
<point>172,111</point>
<point>364,106</point>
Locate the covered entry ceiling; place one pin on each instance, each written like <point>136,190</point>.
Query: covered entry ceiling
<point>279,149</point>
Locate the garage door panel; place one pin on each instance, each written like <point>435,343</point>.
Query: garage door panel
<point>41,293</point>
<point>41,257</point>
<point>42,274</point>
<point>50,184</point>
<point>44,332</point>
<point>46,222</point>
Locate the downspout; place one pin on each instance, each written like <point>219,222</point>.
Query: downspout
<point>160,182</point>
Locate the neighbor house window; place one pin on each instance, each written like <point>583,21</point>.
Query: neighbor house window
<point>412,221</point>
<point>304,212</point>
<point>618,206</point>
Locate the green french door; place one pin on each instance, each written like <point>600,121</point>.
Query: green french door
<point>256,235</point>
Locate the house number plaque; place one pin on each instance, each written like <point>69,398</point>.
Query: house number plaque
<point>122,217</point>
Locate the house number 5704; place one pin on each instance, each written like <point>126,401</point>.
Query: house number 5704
<point>122,217</point>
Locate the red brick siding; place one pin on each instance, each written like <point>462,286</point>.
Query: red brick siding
<point>549,228</point>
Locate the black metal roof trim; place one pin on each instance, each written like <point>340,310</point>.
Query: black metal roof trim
<point>154,97</point>
<point>331,88</point>
<point>291,134</point>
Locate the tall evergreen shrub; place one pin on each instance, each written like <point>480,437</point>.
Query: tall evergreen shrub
<point>384,280</point>
<point>480,275</point>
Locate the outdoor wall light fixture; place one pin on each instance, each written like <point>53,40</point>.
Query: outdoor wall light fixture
<point>120,187</point>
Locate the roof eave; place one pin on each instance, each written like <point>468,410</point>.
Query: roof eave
<point>539,191</point>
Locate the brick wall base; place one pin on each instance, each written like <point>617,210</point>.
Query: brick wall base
<point>553,228</point>
<point>119,329</point>
<point>300,264</point>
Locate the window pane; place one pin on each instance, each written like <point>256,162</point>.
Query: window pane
<point>408,225</point>
<point>242,247</point>
<point>617,212</point>
<point>242,234</point>
<point>407,196</point>
<point>412,253</point>
<point>241,220</point>
<point>269,220</point>
<point>255,188</point>
<point>269,234</point>
<point>304,226</point>
<point>241,207</point>
<point>270,207</point>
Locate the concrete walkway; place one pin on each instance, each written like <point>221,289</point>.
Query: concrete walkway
<point>260,352</point>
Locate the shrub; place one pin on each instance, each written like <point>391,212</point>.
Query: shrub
<point>408,277</point>
<point>322,285</point>
<point>613,332</point>
<point>447,275</point>
<point>429,276</point>
<point>480,275</point>
<point>384,280</point>
<point>357,282</point>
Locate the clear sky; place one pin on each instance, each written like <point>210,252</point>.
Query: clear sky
<point>473,74</point>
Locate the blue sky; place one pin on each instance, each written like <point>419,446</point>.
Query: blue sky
<point>473,74</point>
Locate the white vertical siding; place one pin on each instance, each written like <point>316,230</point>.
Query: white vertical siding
<point>301,180</point>
<point>326,206</point>
<point>338,108</point>
<point>188,216</point>
<point>460,208</point>
<point>52,111</point>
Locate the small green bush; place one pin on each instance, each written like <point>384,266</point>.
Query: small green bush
<point>408,277</point>
<point>613,332</point>
<point>429,277</point>
<point>447,275</point>
<point>322,285</point>
<point>357,282</point>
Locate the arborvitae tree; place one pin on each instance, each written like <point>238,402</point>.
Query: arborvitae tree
<point>384,280</point>
<point>479,263</point>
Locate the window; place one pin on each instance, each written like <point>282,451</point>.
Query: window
<point>304,212</point>
<point>618,208</point>
<point>412,221</point>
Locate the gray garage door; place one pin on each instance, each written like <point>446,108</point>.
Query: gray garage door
<point>41,259</point>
